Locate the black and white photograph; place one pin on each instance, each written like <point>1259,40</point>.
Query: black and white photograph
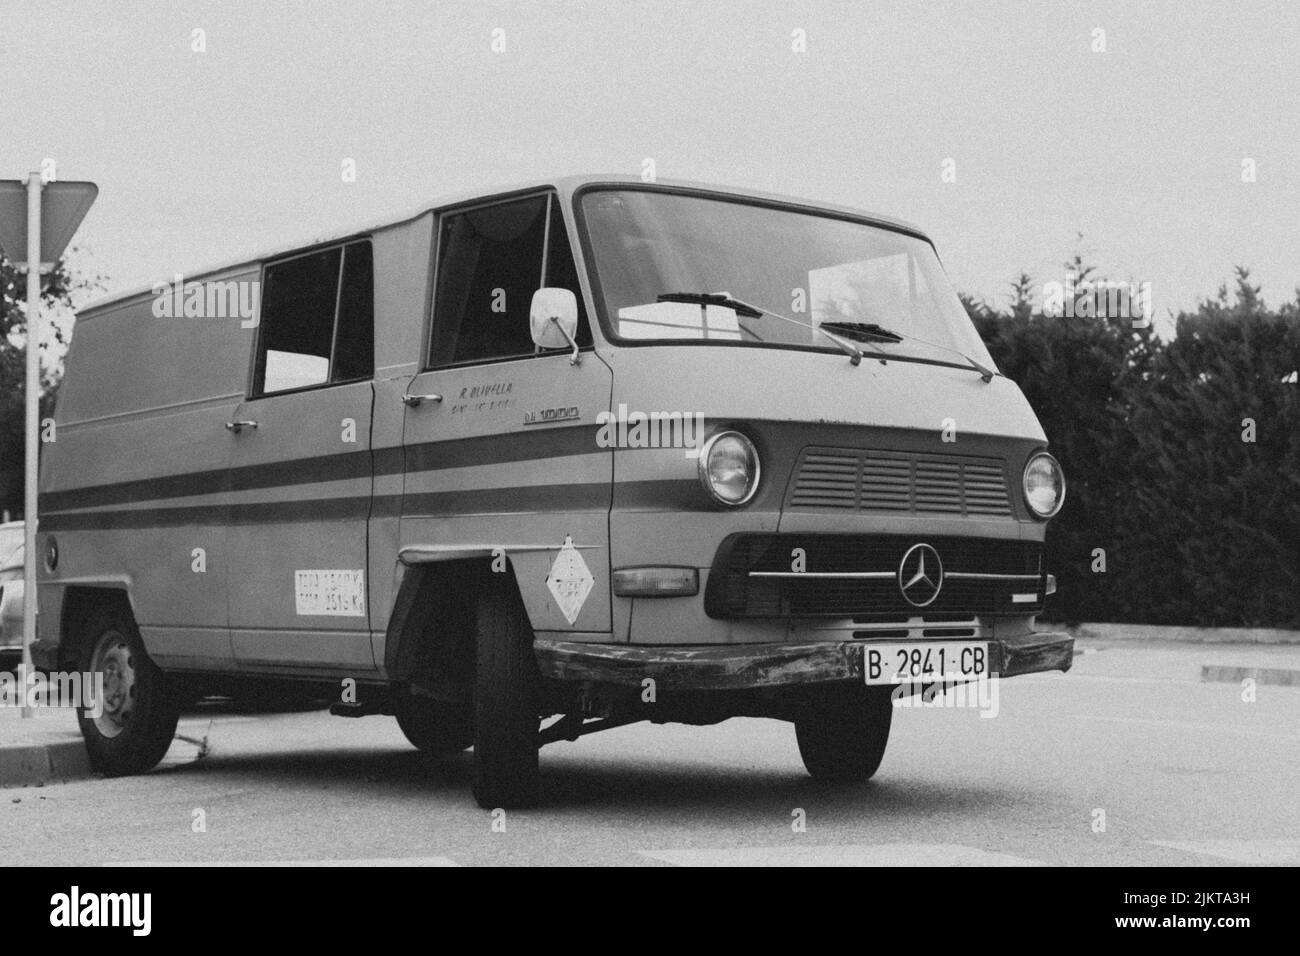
<point>675,435</point>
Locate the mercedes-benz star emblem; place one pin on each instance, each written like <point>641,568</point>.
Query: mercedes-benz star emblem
<point>920,575</point>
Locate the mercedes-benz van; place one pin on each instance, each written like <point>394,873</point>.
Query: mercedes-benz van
<point>539,462</point>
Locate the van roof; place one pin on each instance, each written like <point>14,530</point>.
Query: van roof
<point>566,185</point>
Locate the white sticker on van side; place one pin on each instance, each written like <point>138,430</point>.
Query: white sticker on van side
<point>570,580</point>
<point>329,593</point>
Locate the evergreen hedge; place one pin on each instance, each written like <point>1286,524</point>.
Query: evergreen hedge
<point>1182,458</point>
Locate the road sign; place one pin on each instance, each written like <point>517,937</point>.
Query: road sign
<point>63,206</point>
<point>37,220</point>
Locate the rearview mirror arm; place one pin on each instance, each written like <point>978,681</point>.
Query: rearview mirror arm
<point>573,358</point>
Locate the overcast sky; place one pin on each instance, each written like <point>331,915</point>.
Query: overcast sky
<point>204,156</point>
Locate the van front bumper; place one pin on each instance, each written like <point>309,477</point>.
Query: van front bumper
<point>747,666</point>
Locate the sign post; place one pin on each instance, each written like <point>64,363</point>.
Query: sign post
<point>24,242</point>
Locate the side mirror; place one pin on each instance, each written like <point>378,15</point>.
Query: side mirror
<point>553,318</point>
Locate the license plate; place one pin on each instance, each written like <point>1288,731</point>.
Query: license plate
<point>924,662</point>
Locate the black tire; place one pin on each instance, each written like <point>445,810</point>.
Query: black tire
<point>140,706</point>
<point>506,717</point>
<point>434,727</point>
<point>844,741</point>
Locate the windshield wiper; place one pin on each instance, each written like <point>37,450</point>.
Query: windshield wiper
<point>866,331</point>
<point>863,331</point>
<point>748,311</point>
<point>870,331</point>
<point>712,298</point>
<point>986,373</point>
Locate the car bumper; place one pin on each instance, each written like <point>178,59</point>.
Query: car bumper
<point>750,666</point>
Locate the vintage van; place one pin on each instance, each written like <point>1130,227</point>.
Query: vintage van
<point>539,462</point>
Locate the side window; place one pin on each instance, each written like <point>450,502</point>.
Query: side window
<point>490,262</point>
<point>562,273</point>
<point>354,342</point>
<point>310,333</point>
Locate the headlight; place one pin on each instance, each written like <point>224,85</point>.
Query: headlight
<point>1044,485</point>
<point>729,468</point>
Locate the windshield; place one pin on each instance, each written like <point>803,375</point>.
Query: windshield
<point>811,268</point>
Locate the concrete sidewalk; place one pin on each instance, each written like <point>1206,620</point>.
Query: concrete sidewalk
<point>1269,664</point>
<point>45,748</point>
<point>1155,633</point>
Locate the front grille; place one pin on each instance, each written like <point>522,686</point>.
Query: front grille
<point>734,591</point>
<point>918,626</point>
<point>843,479</point>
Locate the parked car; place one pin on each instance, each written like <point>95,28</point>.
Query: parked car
<point>11,588</point>
<point>590,451</point>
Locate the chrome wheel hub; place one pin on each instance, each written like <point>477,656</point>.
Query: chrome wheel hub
<point>114,659</point>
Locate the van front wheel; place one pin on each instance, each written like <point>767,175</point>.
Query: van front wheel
<point>138,708</point>
<point>506,717</point>
<point>844,741</point>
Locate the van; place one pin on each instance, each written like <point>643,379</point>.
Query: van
<point>540,462</point>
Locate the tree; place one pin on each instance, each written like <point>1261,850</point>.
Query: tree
<point>58,291</point>
<point>1182,457</point>
<point>1213,519</point>
<point>1073,371</point>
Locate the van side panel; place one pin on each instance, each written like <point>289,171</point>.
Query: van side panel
<point>134,489</point>
<point>300,500</point>
<point>402,260</point>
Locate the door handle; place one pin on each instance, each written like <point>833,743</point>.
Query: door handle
<point>236,426</point>
<point>413,401</point>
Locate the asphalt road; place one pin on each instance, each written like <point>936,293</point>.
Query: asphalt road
<point>1185,772</point>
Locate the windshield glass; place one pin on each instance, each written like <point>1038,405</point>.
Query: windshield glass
<point>811,268</point>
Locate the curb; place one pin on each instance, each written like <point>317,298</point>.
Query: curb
<point>1277,676</point>
<point>34,765</point>
<point>1185,635</point>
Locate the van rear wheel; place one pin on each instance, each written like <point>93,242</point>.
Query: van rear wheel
<point>506,717</point>
<point>139,707</point>
<point>844,741</point>
<point>434,727</point>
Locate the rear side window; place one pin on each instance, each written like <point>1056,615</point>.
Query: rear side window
<point>317,324</point>
<point>490,262</point>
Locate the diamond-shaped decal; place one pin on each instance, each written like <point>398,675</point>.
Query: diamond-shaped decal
<point>570,580</point>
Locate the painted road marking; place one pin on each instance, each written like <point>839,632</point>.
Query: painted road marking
<point>889,854</point>
<point>1188,725</point>
<point>377,861</point>
<point>1100,679</point>
<point>1277,676</point>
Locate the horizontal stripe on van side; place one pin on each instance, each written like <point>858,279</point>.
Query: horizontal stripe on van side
<point>541,442</point>
<point>428,456</point>
<point>668,494</point>
<point>321,509</point>
<point>527,498</point>
<point>570,470</point>
<point>336,467</point>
